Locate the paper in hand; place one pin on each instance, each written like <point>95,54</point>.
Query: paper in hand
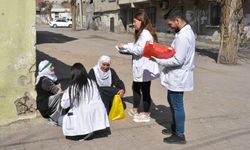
<point>117,48</point>
<point>122,51</point>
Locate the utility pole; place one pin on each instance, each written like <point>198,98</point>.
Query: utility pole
<point>73,13</point>
<point>81,19</point>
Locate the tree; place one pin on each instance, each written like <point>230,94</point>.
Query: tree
<point>231,30</point>
<point>47,8</point>
<point>73,13</point>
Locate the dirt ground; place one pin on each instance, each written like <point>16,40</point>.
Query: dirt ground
<point>217,111</point>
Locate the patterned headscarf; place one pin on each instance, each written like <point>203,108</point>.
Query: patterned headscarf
<point>44,71</point>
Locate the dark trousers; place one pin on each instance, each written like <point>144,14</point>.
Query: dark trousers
<point>107,95</point>
<point>142,89</point>
<point>175,100</point>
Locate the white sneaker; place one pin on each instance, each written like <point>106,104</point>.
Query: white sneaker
<point>132,113</point>
<point>52,122</point>
<point>142,118</point>
<point>137,115</point>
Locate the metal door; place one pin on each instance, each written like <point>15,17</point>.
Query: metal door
<point>112,24</point>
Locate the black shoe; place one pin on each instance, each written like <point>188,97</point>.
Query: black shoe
<point>167,131</point>
<point>175,139</point>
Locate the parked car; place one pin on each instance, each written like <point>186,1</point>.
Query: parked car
<point>60,23</point>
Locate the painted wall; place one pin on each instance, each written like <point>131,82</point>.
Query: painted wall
<point>17,63</point>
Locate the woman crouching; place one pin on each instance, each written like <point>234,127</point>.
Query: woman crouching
<point>87,113</point>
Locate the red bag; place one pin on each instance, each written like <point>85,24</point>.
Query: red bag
<point>158,51</point>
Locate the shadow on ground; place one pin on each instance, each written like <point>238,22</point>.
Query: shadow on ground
<point>62,69</point>
<point>50,37</point>
<point>160,113</point>
<point>211,53</point>
<point>96,135</point>
<point>243,53</point>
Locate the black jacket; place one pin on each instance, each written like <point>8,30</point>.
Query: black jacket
<point>45,88</point>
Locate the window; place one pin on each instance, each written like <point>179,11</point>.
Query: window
<point>151,11</point>
<point>131,14</point>
<point>56,15</point>
<point>214,12</point>
<point>60,20</point>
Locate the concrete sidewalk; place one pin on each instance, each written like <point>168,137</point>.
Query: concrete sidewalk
<point>217,111</point>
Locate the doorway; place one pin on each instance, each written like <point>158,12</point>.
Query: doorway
<point>112,24</point>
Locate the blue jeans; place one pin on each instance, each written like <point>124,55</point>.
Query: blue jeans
<point>60,120</point>
<point>175,100</point>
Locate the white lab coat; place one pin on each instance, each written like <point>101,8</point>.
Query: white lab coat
<point>178,72</point>
<point>143,68</point>
<point>89,116</point>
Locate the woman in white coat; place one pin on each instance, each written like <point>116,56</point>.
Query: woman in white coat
<point>87,113</point>
<point>144,69</point>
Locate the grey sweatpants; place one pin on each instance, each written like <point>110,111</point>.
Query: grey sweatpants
<point>55,106</point>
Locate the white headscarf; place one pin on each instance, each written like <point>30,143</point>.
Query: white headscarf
<point>43,71</point>
<point>103,78</point>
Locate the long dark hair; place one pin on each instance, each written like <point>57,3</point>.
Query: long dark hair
<point>79,79</point>
<point>145,24</point>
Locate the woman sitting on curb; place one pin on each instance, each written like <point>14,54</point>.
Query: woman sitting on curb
<point>49,92</point>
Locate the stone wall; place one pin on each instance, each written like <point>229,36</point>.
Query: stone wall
<point>17,63</point>
<point>103,22</point>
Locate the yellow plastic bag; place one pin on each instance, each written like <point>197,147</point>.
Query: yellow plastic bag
<point>117,110</point>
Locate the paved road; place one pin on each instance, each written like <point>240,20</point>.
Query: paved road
<point>218,110</point>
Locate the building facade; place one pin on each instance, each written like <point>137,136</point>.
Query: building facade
<point>203,16</point>
<point>107,16</point>
<point>59,12</point>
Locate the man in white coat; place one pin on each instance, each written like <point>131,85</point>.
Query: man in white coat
<point>177,75</point>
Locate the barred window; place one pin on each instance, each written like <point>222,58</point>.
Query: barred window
<point>214,13</point>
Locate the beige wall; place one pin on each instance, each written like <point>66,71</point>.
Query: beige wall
<point>17,63</point>
<point>105,5</point>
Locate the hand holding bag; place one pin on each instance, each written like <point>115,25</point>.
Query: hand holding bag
<point>117,111</point>
<point>157,50</point>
